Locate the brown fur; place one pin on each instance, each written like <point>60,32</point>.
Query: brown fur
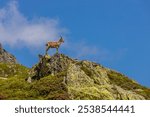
<point>55,44</point>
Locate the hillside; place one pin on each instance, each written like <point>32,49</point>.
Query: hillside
<point>6,56</point>
<point>61,77</point>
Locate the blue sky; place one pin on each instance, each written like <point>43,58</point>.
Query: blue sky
<point>114,33</point>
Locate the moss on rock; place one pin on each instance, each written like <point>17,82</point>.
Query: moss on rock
<point>60,77</point>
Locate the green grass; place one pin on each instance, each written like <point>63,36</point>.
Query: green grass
<point>14,86</point>
<point>13,70</point>
<point>51,87</point>
<point>46,88</point>
<point>128,84</point>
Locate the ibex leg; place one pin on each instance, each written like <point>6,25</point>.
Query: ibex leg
<point>56,50</point>
<point>47,48</point>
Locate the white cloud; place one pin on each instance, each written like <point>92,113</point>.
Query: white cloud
<point>16,29</point>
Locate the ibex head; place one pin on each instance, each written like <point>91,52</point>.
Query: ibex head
<point>61,39</point>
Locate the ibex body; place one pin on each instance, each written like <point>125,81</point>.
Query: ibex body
<point>54,44</point>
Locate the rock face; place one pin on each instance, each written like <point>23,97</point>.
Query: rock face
<point>6,57</point>
<point>62,77</point>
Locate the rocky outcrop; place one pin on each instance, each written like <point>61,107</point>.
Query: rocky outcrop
<point>6,57</point>
<point>83,80</point>
<point>61,77</point>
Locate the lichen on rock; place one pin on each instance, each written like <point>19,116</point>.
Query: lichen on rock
<point>61,77</point>
<point>87,80</point>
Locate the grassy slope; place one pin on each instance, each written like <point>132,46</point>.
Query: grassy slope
<point>128,84</point>
<point>14,86</point>
<point>12,81</point>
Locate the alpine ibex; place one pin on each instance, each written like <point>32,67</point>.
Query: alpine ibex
<point>54,44</point>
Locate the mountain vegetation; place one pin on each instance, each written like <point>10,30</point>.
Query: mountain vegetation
<point>61,77</point>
